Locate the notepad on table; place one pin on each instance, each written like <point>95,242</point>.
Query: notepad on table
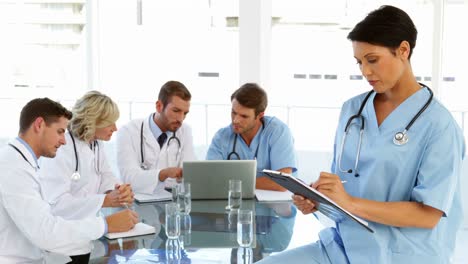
<point>160,195</point>
<point>139,230</point>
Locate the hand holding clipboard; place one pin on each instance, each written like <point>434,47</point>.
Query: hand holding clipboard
<point>298,187</point>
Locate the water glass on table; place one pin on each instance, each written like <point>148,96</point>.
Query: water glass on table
<point>174,191</point>
<point>184,197</point>
<point>173,161</point>
<point>172,221</point>
<point>244,255</point>
<point>235,195</point>
<point>173,251</point>
<point>185,230</point>
<point>245,228</point>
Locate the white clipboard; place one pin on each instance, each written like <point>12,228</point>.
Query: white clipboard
<point>296,186</point>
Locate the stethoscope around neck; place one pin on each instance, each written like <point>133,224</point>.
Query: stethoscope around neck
<point>171,141</point>
<point>400,138</point>
<point>76,175</point>
<point>24,157</point>
<point>235,154</point>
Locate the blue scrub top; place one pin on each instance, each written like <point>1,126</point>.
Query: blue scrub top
<point>274,141</point>
<point>426,169</point>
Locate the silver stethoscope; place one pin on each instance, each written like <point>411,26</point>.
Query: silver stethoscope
<point>235,154</point>
<point>400,138</point>
<point>95,145</point>
<point>173,140</point>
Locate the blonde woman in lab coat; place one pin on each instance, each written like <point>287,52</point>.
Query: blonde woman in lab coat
<point>79,181</point>
<point>28,227</point>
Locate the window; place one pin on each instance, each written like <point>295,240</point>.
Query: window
<point>313,70</point>
<point>43,53</point>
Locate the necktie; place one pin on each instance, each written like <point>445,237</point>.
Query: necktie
<point>161,139</point>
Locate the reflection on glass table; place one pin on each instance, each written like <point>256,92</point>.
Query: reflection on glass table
<point>167,256</point>
<point>207,235</point>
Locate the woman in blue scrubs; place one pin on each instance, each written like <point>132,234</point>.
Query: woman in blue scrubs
<point>406,185</point>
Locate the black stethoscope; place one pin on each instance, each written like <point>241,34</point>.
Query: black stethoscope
<point>400,138</point>
<point>24,157</point>
<point>172,139</point>
<point>235,154</point>
<point>76,175</point>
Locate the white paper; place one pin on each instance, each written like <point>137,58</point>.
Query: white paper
<point>138,230</point>
<point>160,195</point>
<point>272,196</point>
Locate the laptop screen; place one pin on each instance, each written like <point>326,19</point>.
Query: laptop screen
<point>209,179</point>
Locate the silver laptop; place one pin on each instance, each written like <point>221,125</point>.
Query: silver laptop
<point>209,179</point>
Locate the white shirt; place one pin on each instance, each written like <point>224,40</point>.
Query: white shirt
<point>129,145</point>
<point>84,197</point>
<point>27,225</point>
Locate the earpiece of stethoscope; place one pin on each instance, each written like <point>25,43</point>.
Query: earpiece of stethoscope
<point>400,138</point>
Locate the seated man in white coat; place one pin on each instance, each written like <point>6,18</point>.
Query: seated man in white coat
<point>150,151</point>
<point>27,226</point>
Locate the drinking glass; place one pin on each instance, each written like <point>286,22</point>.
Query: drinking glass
<point>235,195</point>
<point>174,159</point>
<point>173,251</point>
<point>172,221</point>
<point>245,228</point>
<point>184,197</point>
<point>244,255</point>
<point>185,230</point>
<point>174,192</point>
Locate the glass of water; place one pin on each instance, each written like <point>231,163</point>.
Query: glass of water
<point>245,228</point>
<point>244,255</point>
<point>235,195</point>
<point>174,159</point>
<point>172,221</point>
<point>184,197</point>
<point>185,230</point>
<point>173,251</point>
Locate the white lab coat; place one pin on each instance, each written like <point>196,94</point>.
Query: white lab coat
<point>76,199</point>
<point>129,155</point>
<point>27,225</point>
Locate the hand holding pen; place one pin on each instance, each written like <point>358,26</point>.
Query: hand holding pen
<point>326,183</point>
<point>332,186</point>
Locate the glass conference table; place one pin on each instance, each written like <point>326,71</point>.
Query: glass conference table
<point>209,235</point>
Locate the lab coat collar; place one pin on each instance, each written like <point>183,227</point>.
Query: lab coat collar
<point>148,136</point>
<point>155,129</point>
<point>22,146</point>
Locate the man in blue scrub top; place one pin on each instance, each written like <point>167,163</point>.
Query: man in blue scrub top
<point>408,190</point>
<point>252,135</point>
